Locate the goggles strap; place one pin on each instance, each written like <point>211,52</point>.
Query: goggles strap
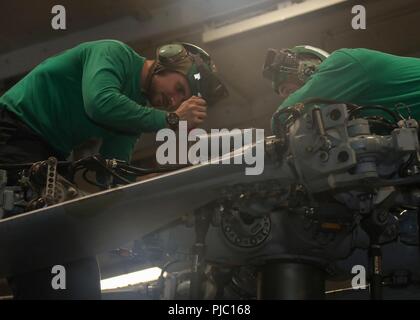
<point>152,72</point>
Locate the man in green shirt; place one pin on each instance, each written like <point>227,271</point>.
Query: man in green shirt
<point>103,90</point>
<point>359,76</point>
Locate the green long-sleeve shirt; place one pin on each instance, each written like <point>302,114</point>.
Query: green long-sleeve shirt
<point>365,77</point>
<point>90,91</point>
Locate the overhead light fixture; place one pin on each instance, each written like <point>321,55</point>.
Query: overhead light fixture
<point>131,279</point>
<point>284,12</point>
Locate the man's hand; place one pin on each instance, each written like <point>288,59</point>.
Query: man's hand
<point>193,110</point>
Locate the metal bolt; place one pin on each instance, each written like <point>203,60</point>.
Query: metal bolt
<point>323,156</point>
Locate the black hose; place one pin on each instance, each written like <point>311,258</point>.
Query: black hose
<point>396,116</point>
<point>110,171</point>
<point>84,175</point>
<point>143,171</point>
<point>403,168</point>
<point>278,127</point>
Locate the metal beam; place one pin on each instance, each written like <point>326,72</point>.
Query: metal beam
<point>283,12</point>
<point>97,223</point>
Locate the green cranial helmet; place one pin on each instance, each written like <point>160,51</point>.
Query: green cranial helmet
<point>196,65</point>
<point>300,62</point>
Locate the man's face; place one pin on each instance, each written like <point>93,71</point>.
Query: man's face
<point>169,89</point>
<point>287,88</point>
